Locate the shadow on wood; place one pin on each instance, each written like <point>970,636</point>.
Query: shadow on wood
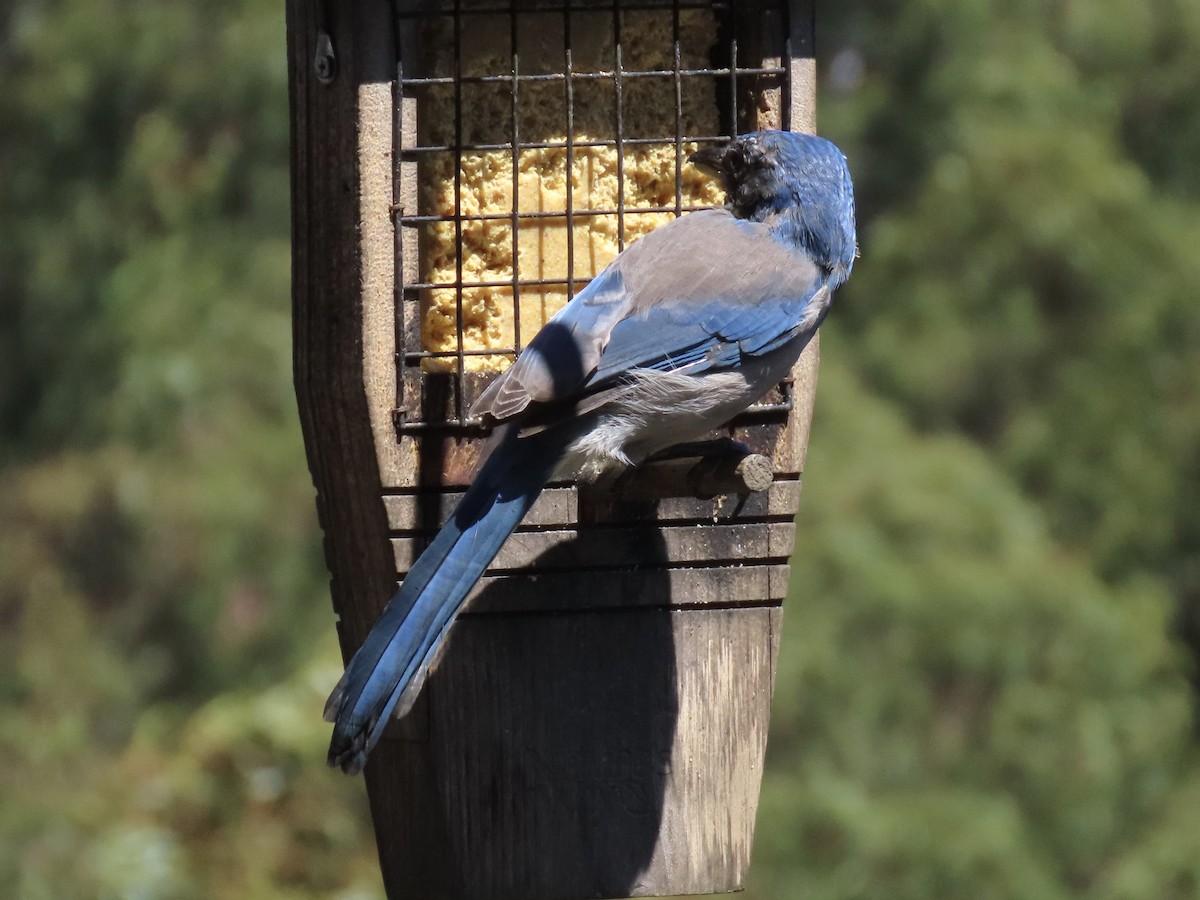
<point>552,733</point>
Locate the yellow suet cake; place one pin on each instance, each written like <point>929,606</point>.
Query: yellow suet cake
<point>486,177</point>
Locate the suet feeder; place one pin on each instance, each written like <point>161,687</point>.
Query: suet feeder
<point>597,724</point>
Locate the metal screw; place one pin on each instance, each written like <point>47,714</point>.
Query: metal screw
<point>324,62</point>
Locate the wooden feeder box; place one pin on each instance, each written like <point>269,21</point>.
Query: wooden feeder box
<point>597,723</point>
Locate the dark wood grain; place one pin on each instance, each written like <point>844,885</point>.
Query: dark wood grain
<point>327,322</point>
<point>634,546</point>
<point>561,505</point>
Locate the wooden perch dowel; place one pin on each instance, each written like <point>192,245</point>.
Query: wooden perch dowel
<point>696,476</point>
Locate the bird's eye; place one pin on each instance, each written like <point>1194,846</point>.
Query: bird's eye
<point>737,160</point>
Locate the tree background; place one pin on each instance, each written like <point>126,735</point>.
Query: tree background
<point>988,678</point>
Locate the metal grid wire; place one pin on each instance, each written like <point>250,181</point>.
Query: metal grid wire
<point>735,82</point>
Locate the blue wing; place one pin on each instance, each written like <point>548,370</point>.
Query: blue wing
<point>716,335</point>
<point>703,292</point>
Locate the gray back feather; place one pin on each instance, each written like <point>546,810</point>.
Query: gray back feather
<point>699,258</point>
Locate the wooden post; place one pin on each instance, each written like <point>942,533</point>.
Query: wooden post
<point>597,725</point>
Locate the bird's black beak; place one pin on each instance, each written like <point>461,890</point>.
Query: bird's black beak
<point>710,159</point>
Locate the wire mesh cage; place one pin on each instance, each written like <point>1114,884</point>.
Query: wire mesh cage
<point>533,142</point>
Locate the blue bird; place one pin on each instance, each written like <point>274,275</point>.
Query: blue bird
<point>682,331</point>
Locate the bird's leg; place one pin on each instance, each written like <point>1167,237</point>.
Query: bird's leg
<point>601,472</point>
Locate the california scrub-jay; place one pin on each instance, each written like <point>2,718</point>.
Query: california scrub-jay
<point>685,329</point>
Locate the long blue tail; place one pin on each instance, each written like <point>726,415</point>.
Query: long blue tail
<point>387,672</point>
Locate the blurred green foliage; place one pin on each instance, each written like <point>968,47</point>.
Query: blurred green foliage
<point>166,638</point>
<point>984,689</point>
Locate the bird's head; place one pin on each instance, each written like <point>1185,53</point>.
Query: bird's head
<point>797,183</point>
